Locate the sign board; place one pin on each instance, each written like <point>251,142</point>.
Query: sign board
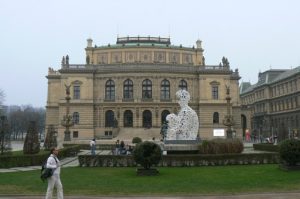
<point>219,132</point>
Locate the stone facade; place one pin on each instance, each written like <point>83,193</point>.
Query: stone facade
<point>132,85</point>
<point>272,105</point>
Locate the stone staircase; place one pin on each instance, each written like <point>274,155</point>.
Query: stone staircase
<point>126,134</point>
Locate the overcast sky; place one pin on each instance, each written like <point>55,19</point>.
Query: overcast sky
<point>255,35</point>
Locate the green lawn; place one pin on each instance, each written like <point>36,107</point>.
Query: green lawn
<point>171,181</point>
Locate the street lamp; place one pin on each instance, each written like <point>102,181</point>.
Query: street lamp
<point>67,119</point>
<point>228,119</point>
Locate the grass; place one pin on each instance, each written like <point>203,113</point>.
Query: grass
<point>171,181</point>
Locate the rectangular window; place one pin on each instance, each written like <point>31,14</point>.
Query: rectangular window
<point>76,92</point>
<point>215,92</point>
<point>108,133</point>
<point>75,134</point>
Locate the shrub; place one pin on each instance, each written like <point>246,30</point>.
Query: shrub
<point>266,147</point>
<point>290,152</point>
<point>146,154</point>
<point>136,140</point>
<point>221,146</point>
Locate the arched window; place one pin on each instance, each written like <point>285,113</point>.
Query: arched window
<point>183,85</point>
<point>110,90</point>
<point>165,90</point>
<point>216,118</point>
<point>164,115</point>
<point>109,118</point>
<point>147,119</point>
<point>76,118</point>
<point>128,118</point>
<point>147,89</point>
<point>128,89</point>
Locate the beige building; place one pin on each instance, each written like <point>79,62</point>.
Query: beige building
<point>272,105</point>
<point>127,89</point>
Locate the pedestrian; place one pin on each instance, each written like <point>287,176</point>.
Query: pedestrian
<point>93,146</point>
<point>122,149</point>
<point>54,180</point>
<point>117,147</point>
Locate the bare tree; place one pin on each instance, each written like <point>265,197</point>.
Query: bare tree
<point>50,140</point>
<point>4,136</point>
<point>20,116</point>
<point>2,98</point>
<point>31,144</point>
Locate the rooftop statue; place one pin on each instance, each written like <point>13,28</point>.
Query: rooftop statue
<point>67,59</point>
<point>185,125</point>
<point>225,62</point>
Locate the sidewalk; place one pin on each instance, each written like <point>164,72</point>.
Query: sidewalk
<point>242,196</point>
<point>66,162</point>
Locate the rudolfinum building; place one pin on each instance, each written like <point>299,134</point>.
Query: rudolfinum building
<point>127,89</point>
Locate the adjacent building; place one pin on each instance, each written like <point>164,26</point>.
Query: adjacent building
<point>271,107</point>
<point>127,89</point>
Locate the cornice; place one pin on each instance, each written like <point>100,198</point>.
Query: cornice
<point>142,68</point>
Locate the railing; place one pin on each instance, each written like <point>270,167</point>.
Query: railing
<point>214,68</point>
<point>123,40</point>
<point>133,67</point>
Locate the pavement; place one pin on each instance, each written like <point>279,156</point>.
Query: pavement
<point>73,162</point>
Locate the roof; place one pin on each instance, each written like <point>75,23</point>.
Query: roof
<point>269,77</point>
<point>133,42</point>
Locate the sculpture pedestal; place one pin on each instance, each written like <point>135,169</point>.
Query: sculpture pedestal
<point>181,146</point>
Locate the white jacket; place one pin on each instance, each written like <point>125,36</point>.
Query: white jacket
<point>51,163</point>
<point>92,143</point>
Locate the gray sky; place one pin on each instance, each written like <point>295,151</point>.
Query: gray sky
<point>255,35</point>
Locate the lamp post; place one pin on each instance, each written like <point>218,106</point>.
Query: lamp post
<point>228,119</point>
<point>67,119</point>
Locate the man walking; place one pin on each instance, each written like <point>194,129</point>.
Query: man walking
<point>54,180</point>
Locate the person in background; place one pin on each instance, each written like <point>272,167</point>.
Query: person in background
<point>117,147</point>
<point>54,180</point>
<point>93,146</point>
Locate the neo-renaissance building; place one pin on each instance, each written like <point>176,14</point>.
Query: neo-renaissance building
<point>127,89</point>
<point>271,107</point>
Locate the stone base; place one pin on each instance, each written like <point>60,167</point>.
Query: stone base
<point>182,142</point>
<point>181,148</point>
<point>147,172</point>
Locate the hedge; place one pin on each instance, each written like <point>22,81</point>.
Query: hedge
<point>181,160</point>
<point>8,161</point>
<point>266,147</point>
<point>98,146</point>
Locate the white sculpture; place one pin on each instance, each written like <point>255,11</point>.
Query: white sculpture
<point>172,126</point>
<point>185,125</point>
